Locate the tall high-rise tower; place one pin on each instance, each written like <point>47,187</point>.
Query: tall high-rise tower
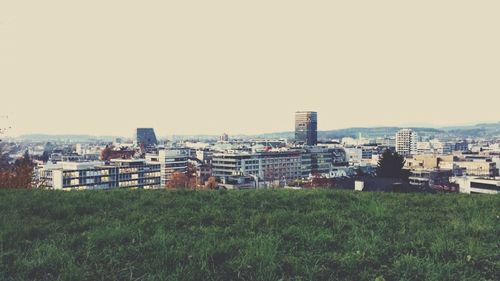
<point>306,127</point>
<point>406,142</point>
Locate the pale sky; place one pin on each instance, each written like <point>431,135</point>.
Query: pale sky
<point>206,67</point>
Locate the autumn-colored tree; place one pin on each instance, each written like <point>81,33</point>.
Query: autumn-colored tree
<point>212,183</point>
<point>178,180</point>
<point>109,153</point>
<point>106,153</point>
<point>19,175</point>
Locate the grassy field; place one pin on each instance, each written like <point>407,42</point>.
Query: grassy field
<point>247,235</point>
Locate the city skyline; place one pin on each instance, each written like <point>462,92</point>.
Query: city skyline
<point>185,70</point>
<point>249,140</point>
<point>131,131</point>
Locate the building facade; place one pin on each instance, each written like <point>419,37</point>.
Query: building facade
<point>406,142</point>
<point>432,178</point>
<point>170,161</point>
<point>306,127</point>
<point>271,166</point>
<point>228,164</point>
<point>146,137</point>
<point>118,173</point>
<point>472,185</point>
<point>266,166</point>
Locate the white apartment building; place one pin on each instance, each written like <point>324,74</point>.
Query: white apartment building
<point>228,164</point>
<point>434,147</point>
<point>471,185</point>
<point>171,161</point>
<point>119,173</point>
<point>406,142</point>
<point>265,165</point>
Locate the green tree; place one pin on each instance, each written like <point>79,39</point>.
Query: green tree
<point>390,165</point>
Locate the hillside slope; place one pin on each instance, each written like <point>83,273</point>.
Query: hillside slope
<point>247,235</point>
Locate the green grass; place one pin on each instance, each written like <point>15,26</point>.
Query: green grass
<point>247,235</point>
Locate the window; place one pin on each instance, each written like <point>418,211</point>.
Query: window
<point>484,186</point>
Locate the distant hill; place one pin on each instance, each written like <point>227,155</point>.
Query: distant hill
<point>479,130</point>
<point>72,138</point>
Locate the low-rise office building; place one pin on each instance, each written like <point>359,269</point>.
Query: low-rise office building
<point>265,165</point>
<point>480,185</point>
<point>227,164</point>
<point>99,175</point>
<point>433,178</point>
<point>482,168</point>
<point>275,165</point>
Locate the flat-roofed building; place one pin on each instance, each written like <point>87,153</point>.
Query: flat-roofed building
<point>266,166</point>
<point>482,185</point>
<point>228,164</point>
<point>406,142</point>
<point>430,177</point>
<point>170,160</point>
<point>118,173</point>
<point>428,161</point>
<point>482,168</point>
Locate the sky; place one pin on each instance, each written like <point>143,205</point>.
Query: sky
<point>244,67</point>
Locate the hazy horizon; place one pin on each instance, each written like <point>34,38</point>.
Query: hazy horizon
<point>131,135</point>
<point>194,68</point>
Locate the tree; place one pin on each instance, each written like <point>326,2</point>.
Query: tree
<point>390,165</point>
<point>321,181</point>
<point>178,180</point>
<point>212,183</point>
<point>106,153</point>
<point>18,175</point>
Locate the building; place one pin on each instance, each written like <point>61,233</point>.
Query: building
<point>171,161</point>
<point>146,137</point>
<point>482,168</point>
<point>461,145</point>
<point>306,127</point>
<point>224,137</point>
<point>204,155</point>
<point>228,164</point>
<point>406,142</point>
<point>428,161</point>
<point>119,173</point>
<point>435,147</point>
<point>239,182</point>
<point>386,141</point>
<point>471,185</point>
<point>354,155</point>
<point>368,152</point>
<point>267,166</point>
<point>204,172</point>
<point>319,160</point>
<point>338,156</point>
<point>137,173</point>
<point>433,178</point>
<point>281,165</point>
